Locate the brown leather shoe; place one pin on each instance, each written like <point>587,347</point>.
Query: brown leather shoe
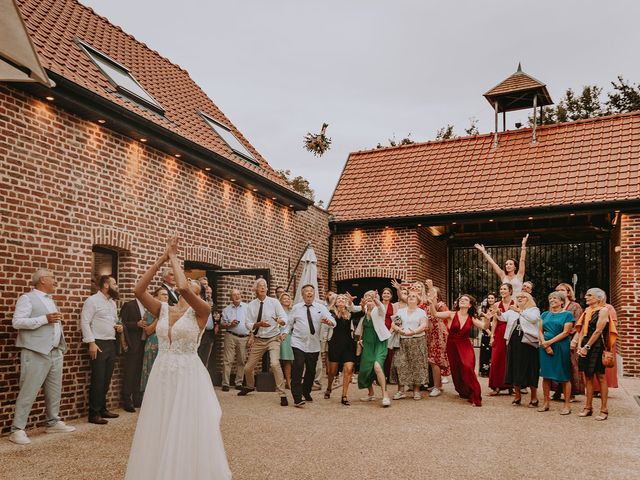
<point>98,420</point>
<point>108,414</point>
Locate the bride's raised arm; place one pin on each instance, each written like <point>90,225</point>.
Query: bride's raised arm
<point>200,307</point>
<point>141,289</point>
<point>494,265</point>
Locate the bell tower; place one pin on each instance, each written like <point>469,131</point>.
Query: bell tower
<point>517,92</point>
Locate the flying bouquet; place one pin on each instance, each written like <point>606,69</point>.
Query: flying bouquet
<point>318,143</point>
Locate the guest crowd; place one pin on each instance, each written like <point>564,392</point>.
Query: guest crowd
<point>415,343</point>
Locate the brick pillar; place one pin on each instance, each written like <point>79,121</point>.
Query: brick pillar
<point>627,292</point>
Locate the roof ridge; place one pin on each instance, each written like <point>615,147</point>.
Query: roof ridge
<point>506,132</point>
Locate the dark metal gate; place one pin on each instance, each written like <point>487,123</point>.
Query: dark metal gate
<point>546,266</point>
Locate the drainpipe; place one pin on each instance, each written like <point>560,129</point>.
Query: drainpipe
<point>332,229</point>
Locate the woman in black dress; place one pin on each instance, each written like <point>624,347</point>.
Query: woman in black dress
<point>594,328</point>
<point>488,311</point>
<point>342,348</point>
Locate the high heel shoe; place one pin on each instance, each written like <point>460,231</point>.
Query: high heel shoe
<point>534,404</point>
<point>327,394</point>
<point>586,412</point>
<point>543,408</point>
<point>345,401</point>
<point>604,414</point>
<point>516,402</point>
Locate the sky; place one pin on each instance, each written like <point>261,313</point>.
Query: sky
<point>376,69</point>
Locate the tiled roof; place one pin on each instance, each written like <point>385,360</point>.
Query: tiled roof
<point>55,24</point>
<point>583,162</point>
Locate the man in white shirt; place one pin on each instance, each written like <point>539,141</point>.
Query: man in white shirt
<point>40,336</point>
<point>169,284</point>
<point>264,317</point>
<point>99,324</point>
<point>235,339</point>
<point>305,322</point>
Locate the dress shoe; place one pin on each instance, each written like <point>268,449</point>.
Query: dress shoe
<point>238,387</point>
<point>245,391</point>
<point>19,437</point>
<point>98,420</point>
<point>284,402</point>
<point>108,414</point>
<point>128,407</point>
<point>60,427</point>
<point>307,397</point>
<point>225,388</point>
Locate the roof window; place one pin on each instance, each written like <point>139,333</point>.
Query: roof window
<point>122,79</point>
<point>230,139</point>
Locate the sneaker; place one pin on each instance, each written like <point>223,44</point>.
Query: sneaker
<point>19,437</point>
<point>367,398</point>
<point>386,402</point>
<point>315,387</point>
<point>399,396</point>
<point>445,379</point>
<point>417,396</point>
<point>307,397</point>
<point>60,427</point>
<point>436,392</point>
<point>299,403</point>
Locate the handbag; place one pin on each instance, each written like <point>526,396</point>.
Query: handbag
<point>608,358</point>
<point>528,338</point>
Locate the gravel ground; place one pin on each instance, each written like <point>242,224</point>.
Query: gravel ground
<point>442,437</point>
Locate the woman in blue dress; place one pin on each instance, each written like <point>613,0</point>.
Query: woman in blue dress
<point>555,354</point>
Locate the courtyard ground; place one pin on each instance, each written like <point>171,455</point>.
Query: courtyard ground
<point>442,437</point>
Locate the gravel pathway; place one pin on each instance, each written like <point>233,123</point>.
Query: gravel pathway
<point>442,437</point>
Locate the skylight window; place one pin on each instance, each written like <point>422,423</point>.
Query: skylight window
<point>229,138</point>
<point>122,79</point>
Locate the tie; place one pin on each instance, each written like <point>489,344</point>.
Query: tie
<point>310,320</point>
<point>255,330</point>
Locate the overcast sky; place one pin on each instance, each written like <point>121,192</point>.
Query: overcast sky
<point>375,68</point>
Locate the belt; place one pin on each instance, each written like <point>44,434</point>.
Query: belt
<point>236,335</point>
<point>268,338</point>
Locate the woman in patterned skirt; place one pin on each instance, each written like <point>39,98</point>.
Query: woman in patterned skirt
<point>597,333</point>
<point>151,342</point>
<point>411,360</point>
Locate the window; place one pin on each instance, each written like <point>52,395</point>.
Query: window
<point>229,138</point>
<point>103,262</point>
<point>122,79</point>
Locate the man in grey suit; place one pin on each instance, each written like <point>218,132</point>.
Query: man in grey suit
<point>40,336</point>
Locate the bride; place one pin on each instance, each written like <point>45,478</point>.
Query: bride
<point>178,432</point>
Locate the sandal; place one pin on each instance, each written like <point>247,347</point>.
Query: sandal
<point>534,404</point>
<point>543,408</point>
<point>516,402</point>
<point>586,412</point>
<point>345,401</point>
<point>604,414</point>
<point>327,394</point>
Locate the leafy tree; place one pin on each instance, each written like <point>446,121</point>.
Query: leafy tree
<point>572,107</point>
<point>445,133</point>
<point>299,183</point>
<point>472,129</point>
<point>394,143</point>
<point>624,98</point>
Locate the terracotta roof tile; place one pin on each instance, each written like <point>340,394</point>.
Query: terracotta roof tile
<point>468,175</point>
<point>55,24</point>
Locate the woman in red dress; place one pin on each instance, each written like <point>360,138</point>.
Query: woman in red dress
<point>462,358</point>
<point>499,344</point>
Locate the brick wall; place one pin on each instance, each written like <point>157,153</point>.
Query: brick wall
<point>69,184</point>
<point>406,253</point>
<point>625,288</point>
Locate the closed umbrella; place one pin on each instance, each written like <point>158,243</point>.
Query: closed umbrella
<point>309,273</point>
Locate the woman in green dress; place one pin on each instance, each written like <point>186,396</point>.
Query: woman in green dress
<point>151,342</point>
<point>555,355</point>
<point>286,352</point>
<point>372,335</point>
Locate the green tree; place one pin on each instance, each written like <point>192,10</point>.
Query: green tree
<point>472,129</point>
<point>572,107</point>
<point>445,133</point>
<point>624,98</point>
<point>299,183</point>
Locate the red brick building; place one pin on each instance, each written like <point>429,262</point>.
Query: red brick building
<point>98,170</point>
<point>414,212</point>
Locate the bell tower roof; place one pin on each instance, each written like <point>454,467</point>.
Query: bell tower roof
<point>517,92</point>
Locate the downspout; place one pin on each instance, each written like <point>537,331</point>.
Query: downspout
<point>332,229</point>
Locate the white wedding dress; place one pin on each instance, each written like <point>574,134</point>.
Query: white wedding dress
<point>178,432</point>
